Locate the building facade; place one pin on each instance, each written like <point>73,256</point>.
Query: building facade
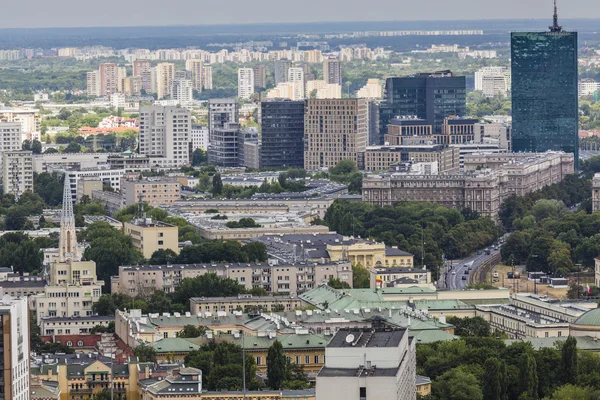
<point>332,71</point>
<point>334,130</point>
<point>282,133</point>
<point>14,326</point>
<point>221,112</point>
<point>245,83</point>
<point>17,172</point>
<point>154,192</point>
<point>149,236</point>
<point>165,134</point>
<point>493,81</point>
<point>545,91</point>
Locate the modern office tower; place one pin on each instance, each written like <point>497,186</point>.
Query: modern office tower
<point>281,70</point>
<point>428,96</point>
<point>141,68</point>
<point>181,90</point>
<point>544,90</point>
<point>93,84</point>
<point>332,71</point>
<point>109,79</point>
<point>225,144</point>
<point>164,135</point>
<point>373,122</point>
<point>260,76</point>
<point>220,112</point>
<point>165,72</point>
<point>369,364</point>
<point>207,82</point>
<point>17,172</point>
<point>196,67</point>
<point>334,130</point>
<point>245,83</point>
<point>493,81</point>
<point>14,337</point>
<point>282,133</point>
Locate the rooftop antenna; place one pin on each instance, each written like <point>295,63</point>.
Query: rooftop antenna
<point>555,27</point>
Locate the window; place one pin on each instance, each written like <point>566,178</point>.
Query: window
<point>166,334</point>
<point>160,242</point>
<point>258,360</point>
<point>362,393</point>
<point>306,359</point>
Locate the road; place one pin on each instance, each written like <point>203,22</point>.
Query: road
<point>585,154</point>
<point>453,278</point>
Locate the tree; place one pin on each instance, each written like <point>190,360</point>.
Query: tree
<point>191,331</point>
<point>276,365</point>
<point>198,157</point>
<point>492,379</point>
<point>572,392</point>
<point>207,285</point>
<point>361,277</point>
<point>528,379</point>
<point>457,384</point>
<point>145,353</point>
<point>73,147</point>
<point>103,329</point>
<point>470,327</point>
<point>569,361</point>
<point>336,283</point>
<point>36,147</point>
<point>163,257</point>
<point>217,185</point>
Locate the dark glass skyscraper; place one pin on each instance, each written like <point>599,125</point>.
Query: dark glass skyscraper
<point>282,133</point>
<point>428,96</point>
<point>544,91</point>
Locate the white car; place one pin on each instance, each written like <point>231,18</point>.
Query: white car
<point>453,272</point>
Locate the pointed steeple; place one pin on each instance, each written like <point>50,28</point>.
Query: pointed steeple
<point>555,27</point>
<point>67,242</point>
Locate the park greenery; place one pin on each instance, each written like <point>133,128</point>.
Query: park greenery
<point>426,230</point>
<point>477,368</point>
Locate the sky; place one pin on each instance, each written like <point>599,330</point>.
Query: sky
<point>87,13</point>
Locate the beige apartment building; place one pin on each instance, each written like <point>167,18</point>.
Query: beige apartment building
<point>334,130</point>
<point>245,303</point>
<point>380,158</point>
<point>149,236</point>
<point>165,72</point>
<point>86,186</point>
<point>284,279</point>
<point>155,193</point>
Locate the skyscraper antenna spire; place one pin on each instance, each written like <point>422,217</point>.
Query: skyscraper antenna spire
<point>67,242</point>
<point>555,27</point>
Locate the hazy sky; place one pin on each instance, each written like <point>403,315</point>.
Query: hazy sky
<point>69,13</point>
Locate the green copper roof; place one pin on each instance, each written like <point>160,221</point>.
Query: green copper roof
<point>589,318</point>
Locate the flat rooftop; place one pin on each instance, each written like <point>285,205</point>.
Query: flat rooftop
<point>367,338</point>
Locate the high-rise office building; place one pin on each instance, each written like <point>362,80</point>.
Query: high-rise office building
<point>281,70</point>
<point>282,133</point>
<point>245,83</point>
<point>225,145</point>
<point>164,135</point>
<point>165,72</point>
<point>260,76</point>
<point>196,67</point>
<point>493,81</point>
<point>14,340</point>
<point>221,112</point>
<point>544,90</point>
<point>334,130</point>
<point>332,71</point>
<point>428,96</point>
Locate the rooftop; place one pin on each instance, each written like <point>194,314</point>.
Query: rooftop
<point>367,338</point>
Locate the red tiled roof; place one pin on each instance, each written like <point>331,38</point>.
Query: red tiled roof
<point>77,341</point>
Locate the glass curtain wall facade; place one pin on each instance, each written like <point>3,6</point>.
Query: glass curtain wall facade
<point>544,92</point>
<point>282,133</point>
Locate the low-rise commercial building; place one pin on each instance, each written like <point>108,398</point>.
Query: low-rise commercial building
<point>73,325</point>
<point>378,158</point>
<point>519,323</point>
<point>154,192</point>
<point>368,364</point>
<point>245,303</point>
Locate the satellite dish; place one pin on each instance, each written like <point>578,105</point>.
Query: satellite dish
<point>350,338</point>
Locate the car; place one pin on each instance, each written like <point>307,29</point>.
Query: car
<point>453,272</point>
<point>467,272</point>
<point>495,274</point>
<point>464,278</point>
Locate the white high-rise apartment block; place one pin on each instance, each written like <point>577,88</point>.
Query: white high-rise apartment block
<point>182,91</point>
<point>165,72</point>
<point>372,90</point>
<point>165,134</point>
<point>330,91</point>
<point>109,78</point>
<point>93,84</point>
<point>287,90</point>
<point>296,77</point>
<point>17,172</point>
<point>199,137</point>
<point>245,83</point>
<point>493,81</point>
<point>14,339</point>
<point>369,364</point>
<point>196,67</point>
<point>10,141</point>
<point>588,87</point>
<point>207,82</point>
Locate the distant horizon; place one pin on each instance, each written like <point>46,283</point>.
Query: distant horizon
<point>271,24</point>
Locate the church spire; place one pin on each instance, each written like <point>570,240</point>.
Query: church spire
<point>67,242</point>
<point>555,27</point>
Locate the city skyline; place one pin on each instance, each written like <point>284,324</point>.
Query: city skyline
<point>155,13</point>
